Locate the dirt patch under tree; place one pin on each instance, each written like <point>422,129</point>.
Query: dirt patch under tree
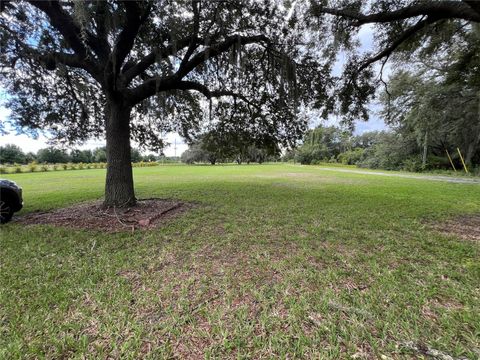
<point>146,214</point>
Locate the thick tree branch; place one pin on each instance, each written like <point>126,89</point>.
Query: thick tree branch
<point>156,84</point>
<point>192,85</point>
<point>124,43</point>
<point>152,57</point>
<point>397,42</point>
<point>51,59</point>
<point>149,88</point>
<point>438,9</point>
<point>430,11</point>
<point>219,48</point>
<point>64,23</point>
<point>101,22</point>
<point>474,4</point>
<point>66,59</point>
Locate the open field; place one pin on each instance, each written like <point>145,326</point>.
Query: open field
<point>274,261</point>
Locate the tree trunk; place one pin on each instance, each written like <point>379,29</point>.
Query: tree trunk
<point>119,191</point>
<point>471,150</point>
<point>425,150</point>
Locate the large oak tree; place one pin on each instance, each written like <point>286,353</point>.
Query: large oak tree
<point>137,69</point>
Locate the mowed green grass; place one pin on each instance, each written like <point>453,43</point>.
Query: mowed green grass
<point>275,261</point>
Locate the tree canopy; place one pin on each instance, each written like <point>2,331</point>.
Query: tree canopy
<point>137,69</point>
<point>438,99</point>
<point>401,29</point>
<point>70,57</point>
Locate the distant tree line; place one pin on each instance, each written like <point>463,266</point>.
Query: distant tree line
<point>13,154</point>
<point>396,149</point>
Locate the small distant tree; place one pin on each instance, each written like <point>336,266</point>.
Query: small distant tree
<point>365,140</point>
<point>216,146</point>
<point>52,155</point>
<point>99,154</point>
<point>30,156</point>
<point>81,156</point>
<point>195,154</point>
<point>390,150</point>
<point>322,144</point>
<point>135,155</point>
<point>289,155</point>
<point>11,154</point>
<point>150,158</point>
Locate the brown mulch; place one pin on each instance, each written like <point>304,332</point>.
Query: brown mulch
<point>146,214</point>
<point>466,227</point>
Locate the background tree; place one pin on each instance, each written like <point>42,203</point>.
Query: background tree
<point>135,155</point>
<point>260,155</point>
<point>52,155</point>
<point>322,144</point>
<point>150,158</point>
<point>392,150</point>
<point>135,69</point>
<point>30,156</point>
<point>438,100</point>
<point>10,154</point>
<point>196,154</point>
<point>99,154</point>
<point>81,156</point>
<point>219,145</point>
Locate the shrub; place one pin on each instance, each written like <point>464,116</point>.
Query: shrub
<point>44,167</point>
<point>475,171</point>
<point>80,166</point>
<point>351,157</point>
<point>3,169</point>
<point>412,164</point>
<point>304,157</point>
<point>145,163</point>
<point>55,167</point>
<point>65,166</point>
<point>32,166</point>
<point>17,168</point>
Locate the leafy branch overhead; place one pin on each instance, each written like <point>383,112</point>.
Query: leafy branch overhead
<point>422,13</point>
<point>399,27</point>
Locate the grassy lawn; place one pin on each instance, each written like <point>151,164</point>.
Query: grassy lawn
<point>276,261</point>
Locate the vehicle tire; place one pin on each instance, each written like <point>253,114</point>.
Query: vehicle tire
<point>6,211</point>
